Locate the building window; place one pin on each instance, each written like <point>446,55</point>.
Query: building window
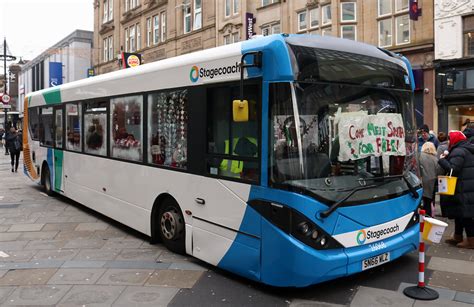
<point>148,32</point>
<point>348,11</point>
<point>468,29</point>
<point>168,128</point>
<point>95,123</point>
<point>271,29</point>
<point>139,37</point>
<point>108,11</point>
<point>227,8</point>
<point>163,26</point>
<point>385,33</point>
<point>132,38</point>
<point>127,40</point>
<point>227,39</point>
<point>126,128</point>
<point>131,4</point>
<point>327,19</point>
<point>111,48</point>
<point>349,32</point>
<point>187,18</point>
<point>73,127</point>
<point>236,37</point>
<point>326,32</point>
<point>401,5</point>
<point>267,2</point>
<point>156,29</point>
<point>106,50</point>
<point>302,21</point>
<point>403,29</point>
<point>384,7</point>
<point>231,38</point>
<point>314,18</point>
<point>197,14</point>
<point>236,7</point>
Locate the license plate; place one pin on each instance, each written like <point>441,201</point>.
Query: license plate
<point>375,261</point>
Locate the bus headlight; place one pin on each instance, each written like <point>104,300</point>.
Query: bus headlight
<point>303,228</point>
<point>314,234</point>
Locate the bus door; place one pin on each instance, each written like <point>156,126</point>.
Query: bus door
<point>58,149</point>
<point>231,164</point>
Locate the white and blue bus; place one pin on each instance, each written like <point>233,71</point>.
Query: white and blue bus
<point>298,168</point>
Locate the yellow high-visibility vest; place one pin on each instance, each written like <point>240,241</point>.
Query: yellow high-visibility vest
<point>233,168</point>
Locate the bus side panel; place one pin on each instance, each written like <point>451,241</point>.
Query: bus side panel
<point>243,257</point>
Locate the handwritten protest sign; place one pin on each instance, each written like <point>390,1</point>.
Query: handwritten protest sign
<point>362,135</point>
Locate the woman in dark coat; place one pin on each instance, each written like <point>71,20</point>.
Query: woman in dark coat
<point>460,206</point>
<point>14,144</point>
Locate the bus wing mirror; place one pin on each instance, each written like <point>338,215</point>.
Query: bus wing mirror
<point>240,110</point>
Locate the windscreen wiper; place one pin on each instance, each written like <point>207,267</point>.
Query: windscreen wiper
<point>337,204</point>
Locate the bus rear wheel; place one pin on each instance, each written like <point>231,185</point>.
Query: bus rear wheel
<point>171,226</point>
<point>47,182</point>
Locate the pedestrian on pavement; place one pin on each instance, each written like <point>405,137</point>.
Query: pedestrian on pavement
<point>460,206</point>
<point>426,136</point>
<point>429,174</point>
<point>469,132</point>
<point>14,145</point>
<point>443,144</point>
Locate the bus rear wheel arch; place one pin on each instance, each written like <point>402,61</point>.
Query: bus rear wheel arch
<point>167,224</point>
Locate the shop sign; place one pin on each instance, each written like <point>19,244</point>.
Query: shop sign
<point>131,59</point>
<point>90,72</point>
<point>55,73</point>
<point>362,135</point>
<point>249,25</point>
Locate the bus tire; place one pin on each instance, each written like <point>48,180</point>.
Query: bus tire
<point>47,181</point>
<point>171,226</point>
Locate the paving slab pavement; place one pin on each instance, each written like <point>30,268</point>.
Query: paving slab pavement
<point>56,252</point>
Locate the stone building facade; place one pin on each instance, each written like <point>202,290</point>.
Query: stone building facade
<point>158,29</point>
<point>454,54</point>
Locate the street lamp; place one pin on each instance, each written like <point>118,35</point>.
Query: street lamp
<point>6,57</point>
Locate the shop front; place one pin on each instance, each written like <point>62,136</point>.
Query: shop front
<point>455,94</point>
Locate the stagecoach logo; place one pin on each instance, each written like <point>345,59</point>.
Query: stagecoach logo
<point>195,73</point>
<point>361,236</point>
<point>376,235</point>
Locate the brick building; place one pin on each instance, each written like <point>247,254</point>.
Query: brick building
<point>158,29</point>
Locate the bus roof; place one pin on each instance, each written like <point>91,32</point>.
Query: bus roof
<point>202,67</point>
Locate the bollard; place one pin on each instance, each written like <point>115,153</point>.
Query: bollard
<point>421,292</point>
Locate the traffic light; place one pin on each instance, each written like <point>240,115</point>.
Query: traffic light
<point>415,11</point>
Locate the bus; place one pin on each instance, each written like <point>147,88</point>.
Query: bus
<point>287,159</point>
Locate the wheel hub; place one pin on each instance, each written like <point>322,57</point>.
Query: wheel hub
<point>171,225</point>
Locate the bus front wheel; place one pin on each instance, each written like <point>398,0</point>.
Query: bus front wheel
<point>171,226</point>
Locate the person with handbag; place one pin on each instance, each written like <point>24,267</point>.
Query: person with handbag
<point>428,168</point>
<point>460,206</point>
